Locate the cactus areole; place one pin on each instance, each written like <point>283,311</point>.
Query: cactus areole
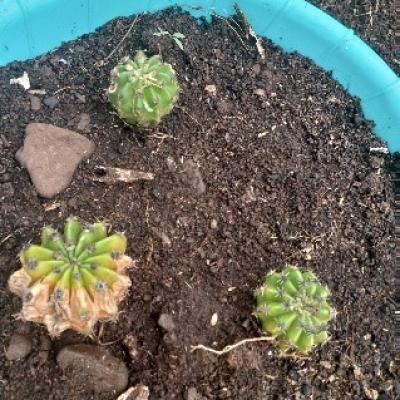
<point>143,90</point>
<point>292,306</point>
<point>72,280</point>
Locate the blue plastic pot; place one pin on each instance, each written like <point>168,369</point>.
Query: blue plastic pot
<point>31,27</point>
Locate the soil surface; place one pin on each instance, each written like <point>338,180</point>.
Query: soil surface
<point>373,20</point>
<point>270,165</point>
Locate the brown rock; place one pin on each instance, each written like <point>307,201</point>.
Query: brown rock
<point>131,343</point>
<point>84,123</point>
<point>259,92</point>
<point>194,177</point>
<point>138,392</point>
<point>102,372</point>
<point>20,346</point>
<point>192,394</point>
<point>51,156</point>
<point>166,322</point>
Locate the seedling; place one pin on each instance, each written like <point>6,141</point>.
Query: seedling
<point>143,90</point>
<point>292,306</point>
<point>72,279</point>
<point>177,37</point>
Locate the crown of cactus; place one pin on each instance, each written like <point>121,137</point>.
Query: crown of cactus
<point>292,306</point>
<point>143,90</point>
<point>72,280</point>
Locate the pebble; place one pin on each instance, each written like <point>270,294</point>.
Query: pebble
<point>256,69</point>
<point>81,98</point>
<point>213,224</point>
<point>84,123</point>
<point>36,103</point>
<point>259,92</point>
<point>211,89</point>
<point>194,176</point>
<point>192,394</point>
<point>51,101</point>
<point>51,156</point>
<point>19,347</point>
<point>326,364</point>
<point>306,390</point>
<point>131,343</point>
<point>166,322</point>
<point>103,372</point>
<point>147,298</point>
<point>138,392</point>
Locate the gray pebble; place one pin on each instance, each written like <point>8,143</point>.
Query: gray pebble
<point>20,346</point>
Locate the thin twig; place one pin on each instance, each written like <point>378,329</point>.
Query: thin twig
<point>234,30</point>
<point>190,116</point>
<point>123,39</point>
<point>6,238</point>
<point>229,348</point>
<point>150,242</point>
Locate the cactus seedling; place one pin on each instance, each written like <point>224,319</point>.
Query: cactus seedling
<point>143,90</point>
<point>292,306</point>
<point>72,280</point>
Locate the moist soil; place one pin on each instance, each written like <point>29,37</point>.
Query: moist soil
<point>263,162</point>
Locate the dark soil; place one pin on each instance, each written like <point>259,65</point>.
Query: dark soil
<point>373,20</point>
<point>288,178</point>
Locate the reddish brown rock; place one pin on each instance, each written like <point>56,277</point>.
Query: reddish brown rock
<point>51,156</point>
<point>102,372</point>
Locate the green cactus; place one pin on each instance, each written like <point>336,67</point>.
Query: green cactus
<point>292,306</point>
<point>73,279</point>
<point>143,90</point>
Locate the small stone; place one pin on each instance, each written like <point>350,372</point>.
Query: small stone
<point>256,69</point>
<point>211,89</point>
<point>51,101</point>
<point>194,176</point>
<point>156,192</point>
<point>20,346</point>
<point>84,123</point>
<point>81,98</point>
<point>102,371</point>
<point>51,156</point>
<point>36,103</point>
<point>165,239</point>
<point>171,164</point>
<point>213,224</point>
<point>192,394</point>
<point>326,364</point>
<point>223,107</point>
<point>259,92</point>
<point>306,390</point>
<point>138,392</point>
<point>131,343</point>
<point>166,322</point>
<point>377,162</point>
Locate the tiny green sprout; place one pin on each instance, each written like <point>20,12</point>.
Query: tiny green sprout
<point>72,279</point>
<point>143,90</point>
<point>177,37</point>
<point>292,306</point>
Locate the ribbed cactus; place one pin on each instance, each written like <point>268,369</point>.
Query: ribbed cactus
<point>292,306</point>
<point>72,280</point>
<point>143,90</point>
